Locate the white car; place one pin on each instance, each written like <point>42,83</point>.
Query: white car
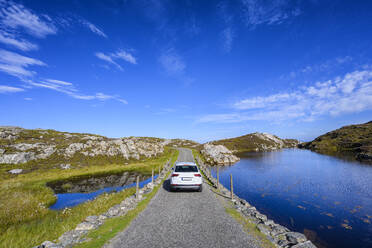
<point>186,175</point>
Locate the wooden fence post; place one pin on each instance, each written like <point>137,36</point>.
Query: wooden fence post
<point>231,187</point>
<point>159,169</point>
<point>152,176</point>
<point>218,177</point>
<point>137,188</point>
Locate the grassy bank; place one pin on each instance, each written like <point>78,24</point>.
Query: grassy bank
<point>25,219</point>
<point>250,228</point>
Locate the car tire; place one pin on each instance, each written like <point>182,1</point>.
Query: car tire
<point>200,188</point>
<point>171,189</point>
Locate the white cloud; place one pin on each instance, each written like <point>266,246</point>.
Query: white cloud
<point>58,82</point>
<point>120,54</point>
<point>165,111</point>
<point>93,28</point>
<point>351,93</point>
<point>227,33</point>
<point>258,12</point>
<point>16,64</point>
<point>172,62</point>
<point>325,66</point>
<point>13,16</point>
<point>21,44</point>
<point>259,102</point>
<point>228,38</point>
<point>9,89</point>
<point>220,118</point>
<point>108,58</point>
<point>27,99</point>
<point>70,90</point>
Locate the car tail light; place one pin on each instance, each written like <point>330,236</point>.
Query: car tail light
<point>175,175</point>
<point>197,175</point>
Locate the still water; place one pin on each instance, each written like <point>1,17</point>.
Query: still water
<point>65,200</point>
<point>327,198</point>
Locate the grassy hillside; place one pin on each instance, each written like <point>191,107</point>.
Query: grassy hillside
<point>256,142</point>
<point>355,140</point>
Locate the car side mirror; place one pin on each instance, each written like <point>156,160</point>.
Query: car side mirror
<point>172,168</point>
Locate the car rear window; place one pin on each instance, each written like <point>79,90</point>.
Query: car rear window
<point>186,168</point>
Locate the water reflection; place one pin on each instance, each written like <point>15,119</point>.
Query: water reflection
<point>72,199</point>
<point>330,198</point>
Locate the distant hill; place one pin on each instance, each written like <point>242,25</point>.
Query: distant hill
<point>355,140</point>
<point>255,142</point>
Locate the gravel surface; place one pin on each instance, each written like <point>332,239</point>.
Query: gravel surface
<point>184,219</point>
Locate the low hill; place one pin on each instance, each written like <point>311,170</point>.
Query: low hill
<point>50,147</point>
<point>355,140</point>
<point>255,142</point>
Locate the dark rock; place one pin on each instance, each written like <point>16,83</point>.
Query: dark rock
<point>295,237</point>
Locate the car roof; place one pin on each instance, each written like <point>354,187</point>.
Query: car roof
<point>185,163</point>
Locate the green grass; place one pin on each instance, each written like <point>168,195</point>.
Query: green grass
<point>55,223</point>
<point>25,219</point>
<point>250,228</point>
<point>111,227</point>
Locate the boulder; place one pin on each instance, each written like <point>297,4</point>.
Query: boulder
<point>295,237</point>
<point>65,166</point>
<point>218,154</point>
<point>15,171</point>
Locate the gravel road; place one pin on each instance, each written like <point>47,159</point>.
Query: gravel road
<point>184,219</point>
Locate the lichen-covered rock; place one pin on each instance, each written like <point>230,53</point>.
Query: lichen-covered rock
<point>218,154</point>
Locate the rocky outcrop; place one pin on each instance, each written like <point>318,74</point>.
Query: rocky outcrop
<point>352,140</point>
<point>126,147</point>
<point>18,146</point>
<point>218,154</point>
<point>255,142</point>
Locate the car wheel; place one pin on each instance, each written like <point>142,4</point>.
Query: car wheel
<point>200,188</point>
<point>171,189</point>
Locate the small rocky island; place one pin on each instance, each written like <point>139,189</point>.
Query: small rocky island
<point>354,140</point>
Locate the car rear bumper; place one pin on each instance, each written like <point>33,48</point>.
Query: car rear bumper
<point>185,186</point>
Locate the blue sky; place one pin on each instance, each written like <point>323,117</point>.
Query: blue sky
<point>200,70</point>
